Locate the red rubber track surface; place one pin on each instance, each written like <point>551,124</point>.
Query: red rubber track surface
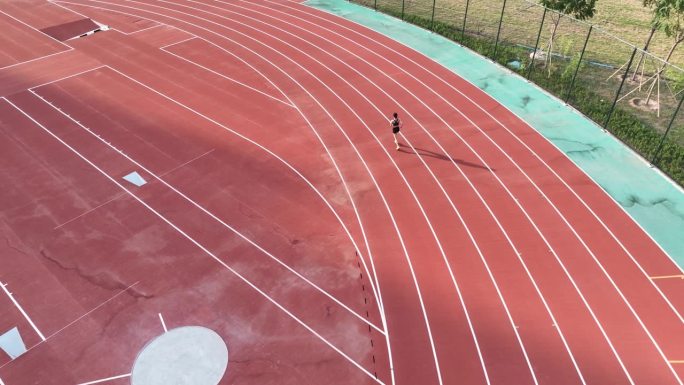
<point>278,213</point>
<point>21,42</point>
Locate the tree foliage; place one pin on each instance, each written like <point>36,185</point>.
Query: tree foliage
<point>579,9</point>
<point>668,16</point>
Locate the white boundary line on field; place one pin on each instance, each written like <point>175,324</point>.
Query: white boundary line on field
<point>36,59</point>
<point>21,310</point>
<point>106,379</point>
<point>161,319</point>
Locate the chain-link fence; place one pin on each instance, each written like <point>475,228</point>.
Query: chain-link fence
<point>631,93</point>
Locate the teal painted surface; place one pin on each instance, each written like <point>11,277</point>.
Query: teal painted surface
<point>655,202</point>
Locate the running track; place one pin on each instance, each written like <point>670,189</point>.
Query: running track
<point>278,213</point>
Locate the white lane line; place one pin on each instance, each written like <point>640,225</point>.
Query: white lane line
<point>36,59</point>
<point>374,282</point>
<point>515,249</point>
<point>378,296</point>
<point>106,379</point>
<point>408,185</point>
<point>16,304</point>
<point>34,28</point>
<point>228,78</point>
<point>163,48</point>
<point>68,76</point>
<point>212,215</point>
<point>591,253</point>
<point>73,11</point>
<point>89,211</point>
<point>214,257</point>
<point>448,84</point>
<point>98,306</point>
<point>252,51</point>
<point>144,29</point>
<point>1,383</point>
<point>114,29</point>
<point>420,206</point>
<point>377,293</point>
<point>162,322</point>
<point>187,163</point>
<point>84,315</point>
<point>572,228</point>
<point>586,247</point>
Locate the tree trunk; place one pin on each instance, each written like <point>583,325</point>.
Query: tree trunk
<point>678,40</point>
<point>550,46</point>
<point>641,60</point>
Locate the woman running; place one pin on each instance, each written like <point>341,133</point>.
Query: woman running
<point>396,126</point>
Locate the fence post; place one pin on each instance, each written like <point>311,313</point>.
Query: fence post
<point>654,160</point>
<point>536,45</point>
<point>572,83</point>
<point>617,95</point>
<point>432,19</point>
<point>496,44</point>
<point>375,5</point>
<point>465,17</point>
<point>402,8</point>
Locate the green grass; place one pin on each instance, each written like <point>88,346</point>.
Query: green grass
<point>620,23</point>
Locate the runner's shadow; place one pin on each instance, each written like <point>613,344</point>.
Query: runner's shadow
<point>423,152</point>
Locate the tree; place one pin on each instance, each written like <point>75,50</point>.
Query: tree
<point>668,16</point>
<point>654,28</point>
<point>579,9</point>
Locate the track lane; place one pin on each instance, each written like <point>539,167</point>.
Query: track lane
<point>407,334</point>
<point>672,324</point>
<point>433,122</point>
<point>639,242</point>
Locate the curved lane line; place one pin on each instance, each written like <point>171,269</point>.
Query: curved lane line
<point>403,246</point>
<point>429,170</point>
<point>597,217</point>
<point>558,212</point>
